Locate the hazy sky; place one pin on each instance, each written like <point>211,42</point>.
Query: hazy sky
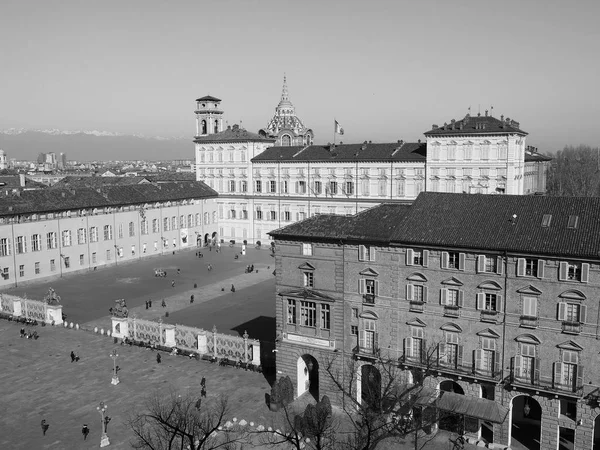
<point>386,70</point>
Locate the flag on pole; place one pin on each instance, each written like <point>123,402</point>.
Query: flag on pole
<point>338,128</point>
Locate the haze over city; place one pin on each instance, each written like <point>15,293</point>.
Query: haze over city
<point>386,70</point>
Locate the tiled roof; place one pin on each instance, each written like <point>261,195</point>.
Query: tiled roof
<point>14,181</point>
<point>400,151</point>
<point>486,222</point>
<point>208,98</point>
<point>73,181</point>
<point>476,125</point>
<point>233,134</point>
<point>374,224</point>
<point>62,199</point>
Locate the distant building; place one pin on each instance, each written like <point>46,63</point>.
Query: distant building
<point>62,161</point>
<point>3,160</point>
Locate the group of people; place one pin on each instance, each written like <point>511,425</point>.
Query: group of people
<point>250,268</point>
<point>29,335</point>
<point>85,430</point>
<point>74,357</point>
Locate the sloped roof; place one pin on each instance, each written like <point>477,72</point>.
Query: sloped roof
<point>486,222</point>
<point>61,199</point>
<point>14,181</point>
<point>397,151</point>
<point>233,134</point>
<point>208,98</point>
<point>535,156</point>
<point>477,125</point>
<point>74,181</point>
<point>374,224</point>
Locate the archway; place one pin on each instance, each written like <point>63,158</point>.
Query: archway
<point>204,127</point>
<point>525,422</point>
<point>596,441</point>
<point>370,386</point>
<point>308,376</point>
<point>447,420</point>
<point>206,238</point>
<point>215,238</point>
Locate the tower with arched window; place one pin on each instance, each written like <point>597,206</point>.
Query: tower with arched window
<point>209,116</point>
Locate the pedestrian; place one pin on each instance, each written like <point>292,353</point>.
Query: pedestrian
<point>232,288</point>
<point>203,392</point>
<point>192,298</point>
<point>106,420</point>
<point>22,331</point>
<point>146,304</point>
<point>199,403</point>
<point>72,356</point>
<point>203,382</point>
<point>164,304</point>
<point>158,358</point>
<point>178,271</point>
<point>172,283</point>
<point>150,303</point>
<point>45,427</point>
<point>85,431</point>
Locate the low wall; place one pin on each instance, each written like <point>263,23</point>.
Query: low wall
<point>26,308</point>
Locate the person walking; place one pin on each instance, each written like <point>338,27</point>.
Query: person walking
<point>232,288</point>
<point>158,358</point>
<point>85,431</point>
<point>172,283</point>
<point>72,356</point>
<point>164,304</point>
<point>45,426</point>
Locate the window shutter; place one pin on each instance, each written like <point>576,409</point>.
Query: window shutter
<point>9,246</point>
<point>585,272</point>
<point>497,361</point>
<point>499,303</point>
<point>558,370</point>
<point>408,347</point>
<point>461,298</point>
<point>536,370</point>
<point>461,261</point>
<point>425,258</point>
<point>361,341</point>
<point>521,267</point>
<point>409,257</point>
<point>425,298</point>
<point>297,189</point>
<point>477,358</point>
<point>540,270</point>
<point>361,252</point>
<point>499,265</point>
<point>376,288</point>
<point>481,264</point>
<point>371,254</point>
<point>375,341</point>
<point>25,244</point>
<point>409,292</point>
<point>579,378</point>
<point>582,313</point>
<point>517,365</point>
<point>443,296</point>
<point>562,311</point>
<point>424,356</point>
<point>441,351</point>
<point>562,271</point>
<point>480,301</point>
<point>445,259</point>
<point>459,356</point>
<point>361,286</point>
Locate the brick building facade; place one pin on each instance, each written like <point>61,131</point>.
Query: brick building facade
<point>502,288</point>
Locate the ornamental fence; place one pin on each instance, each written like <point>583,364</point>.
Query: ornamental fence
<point>24,308</point>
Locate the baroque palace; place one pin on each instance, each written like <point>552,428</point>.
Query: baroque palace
<point>277,176</point>
<point>494,297</point>
<point>81,224</point>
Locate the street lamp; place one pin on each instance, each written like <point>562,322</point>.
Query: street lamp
<point>104,442</point>
<point>114,355</point>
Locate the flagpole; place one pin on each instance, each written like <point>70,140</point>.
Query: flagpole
<point>334,131</point>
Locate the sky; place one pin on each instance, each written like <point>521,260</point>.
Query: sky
<point>386,70</point>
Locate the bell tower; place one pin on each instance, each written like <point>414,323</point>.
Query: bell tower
<point>209,116</point>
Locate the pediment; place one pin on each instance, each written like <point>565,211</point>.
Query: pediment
<point>452,281</point>
<point>486,142</point>
<point>490,284</point>
<point>452,143</point>
<point>570,345</point>
<point>530,290</point>
<point>369,315</point>
<point>489,333</point>
<point>416,322</point>
<point>573,294</point>
<point>306,293</point>
<point>451,327</point>
<point>528,339</point>
<point>368,272</point>
<point>417,277</point>
<point>306,266</point>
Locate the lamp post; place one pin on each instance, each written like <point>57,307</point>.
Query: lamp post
<point>104,439</point>
<point>114,355</point>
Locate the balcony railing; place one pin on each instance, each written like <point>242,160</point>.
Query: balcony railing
<point>417,306</point>
<point>571,327</point>
<point>369,298</point>
<point>463,369</point>
<point>489,316</point>
<point>528,321</point>
<point>541,384</point>
<point>451,311</point>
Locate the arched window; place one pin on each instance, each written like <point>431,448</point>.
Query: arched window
<point>204,127</point>
<point>286,140</point>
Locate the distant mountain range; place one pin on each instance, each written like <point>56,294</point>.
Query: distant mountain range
<point>93,145</point>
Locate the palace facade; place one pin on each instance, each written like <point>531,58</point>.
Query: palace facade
<point>72,227</point>
<point>494,297</point>
<point>266,180</point>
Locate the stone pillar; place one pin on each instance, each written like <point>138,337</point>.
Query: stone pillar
<point>202,343</point>
<point>17,308</point>
<point>54,314</point>
<point>120,327</point>
<point>169,335</point>
<point>245,336</point>
<point>255,347</point>
<point>214,330</point>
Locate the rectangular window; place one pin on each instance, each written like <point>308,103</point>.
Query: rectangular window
<point>308,314</point>
<point>94,258</point>
<point>81,260</point>
<point>349,187</point>
<point>93,234</point>
<point>284,187</point>
<point>4,247</point>
<point>258,213</point>
<point>490,302</point>
<point>66,238</point>
<point>370,286</point>
<point>418,293</point>
<point>401,188</point>
<point>108,232</point>
<point>173,223</point>
<point>258,186</point>
<point>21,244</point>
<point>417,258</point>
<point>108,255</point>
<point>37,268</point>
<point>231,185</point>
<point>144,226</point>
<point>333,187</point>
<point>166,224</point>
<point>453,260</point>
<point>369,339</point>
<point>309,279</point>
<point>182,221</point>
<point>355,313</point>
<point>291,311</point>
<point>52,265</point>
<point>81,236</point>
<point>307,249</point>
<point>36,242</point>
<point>325,317</point>
<point>318,187</point>
<point>120,231</point>
<point>301,187</point>
<point>452,297</point>
<point>531,267</point>
<point>243,186</point>
<point>574,272</point>
<point>273,187</point>
<point>273,215</point>
<point>22,270</point>
<point>491,265</point>
<point>354,330</point>
<point>530,306</point>
<point>366,253</point>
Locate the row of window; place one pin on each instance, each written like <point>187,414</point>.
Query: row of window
<point>305,313</point>
<point>469,151</point>
<point>210,156</point>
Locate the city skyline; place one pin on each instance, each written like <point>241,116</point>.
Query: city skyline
<point>384,70</point>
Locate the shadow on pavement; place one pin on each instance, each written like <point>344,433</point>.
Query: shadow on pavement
<point>263,329</point>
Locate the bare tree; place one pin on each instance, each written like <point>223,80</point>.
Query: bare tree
<point>176,421</point>
<point>575,172</point>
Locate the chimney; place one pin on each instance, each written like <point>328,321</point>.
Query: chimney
<point>486,113</point>
<point>22,180</point>
<point>502,117</point>
<point>434,127</point>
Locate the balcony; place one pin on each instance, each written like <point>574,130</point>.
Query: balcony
<point>528,322</point>
<point>417,306</point>
<point>571,327</point>
<point>451,311</point>
<point>541,384</point>
<point>489,316</point>
<point>369,299</point>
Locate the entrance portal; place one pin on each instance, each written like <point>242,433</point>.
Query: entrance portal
<point>447,420</point>
<point>308,376</point>
<point>525,422</point>
<point>370,386</point>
